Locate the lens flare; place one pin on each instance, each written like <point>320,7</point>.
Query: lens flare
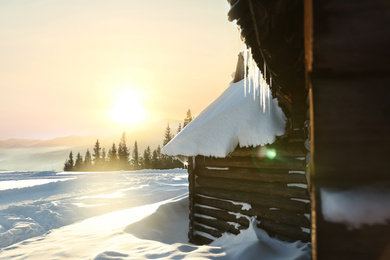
<point>271,153</point>
<point>265,152</point>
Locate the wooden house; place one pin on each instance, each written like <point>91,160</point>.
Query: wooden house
<point>328,65</point>
<point>239,171</point>
<point>336,55</point>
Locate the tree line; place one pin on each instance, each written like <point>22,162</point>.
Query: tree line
<point>119,157</point>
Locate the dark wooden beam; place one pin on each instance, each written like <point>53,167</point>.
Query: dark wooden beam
<point>278,189</point>
<point>283,216</point>
<point>250,174</point>
<point>214,232</point>
<point>351,38</point>
<point>264,200</point>
<point>286,230</point>
<point>221,225</point>
<point>201,240</point>
<point>287,163</point>
<point>281,149</point>
<point>348,73</point>
<point>222,215</point>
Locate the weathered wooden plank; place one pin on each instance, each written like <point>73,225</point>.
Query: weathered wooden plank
<point>221,225</point>
<point>351,140</point>
<point>191,189</point>
<point>367,242</point>
<point>351,37</point>
<point>214,232</point>
<point>264,200</point>
<point>222,215</point>
<point>280,148</point>
<point>286,163</point>
<point>198,239</point>
<point>285,102</point>
<point>221,204</point>
<point>280,189</point>
<point>265,175</point>
<point>350,116</point>
<point>285,230</point>
<point>283,216</point>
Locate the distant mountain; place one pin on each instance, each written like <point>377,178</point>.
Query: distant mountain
<point>36,154</point>
<point>73,140</point>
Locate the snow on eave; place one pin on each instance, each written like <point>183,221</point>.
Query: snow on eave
<point>234,118</point>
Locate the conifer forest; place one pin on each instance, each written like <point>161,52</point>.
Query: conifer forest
<point>120,157</point>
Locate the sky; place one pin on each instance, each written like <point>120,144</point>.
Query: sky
<point>96,67</point>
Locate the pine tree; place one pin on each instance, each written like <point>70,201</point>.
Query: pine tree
<point>168,135</point>
<point>179,128</point>
<point>141,162</point>
<point>166,161</point>
<point>87,161</point>
<point>123,153</point>
<point>104,154</point>
<point>103,160</point>
<point>69,164</point>
<point>158,151</point>
<point>96,154</point>
<point>135,155</point>
<point>78,165</point>
<point>113,158</point>
<point>156,158</point>
<point>159,158</point>
<point>188,118</point>
<point>147,159</point>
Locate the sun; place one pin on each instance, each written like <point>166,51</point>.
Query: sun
<point>127,107</point>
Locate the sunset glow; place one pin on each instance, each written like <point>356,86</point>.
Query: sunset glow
<point>66,60</point>
<point>128,108</point>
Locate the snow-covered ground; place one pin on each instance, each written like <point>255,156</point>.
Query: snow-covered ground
<point>114,215</point>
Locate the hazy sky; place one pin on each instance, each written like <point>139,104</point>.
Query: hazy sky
<point>67,66</point>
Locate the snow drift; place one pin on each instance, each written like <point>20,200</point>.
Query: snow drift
<point>356,207</point>
<point>119,215</point>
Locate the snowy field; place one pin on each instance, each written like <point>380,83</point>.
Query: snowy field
<point>114,215</point>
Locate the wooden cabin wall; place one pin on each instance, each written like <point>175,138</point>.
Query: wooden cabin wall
<point>348,72</point>
<point>275,189</point>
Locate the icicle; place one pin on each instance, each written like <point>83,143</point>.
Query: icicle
<point>248,67</point>
<point>264,85</point>
<point>250,70</point>
<point>245,68</point>
<point>259,78</point>
<point>262,97</point>
<point>261,92</point>
<point>269,94</point>
<point>255,78</point>
<point>255,81</point>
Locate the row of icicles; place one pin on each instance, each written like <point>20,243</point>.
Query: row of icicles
<point>254,81</point>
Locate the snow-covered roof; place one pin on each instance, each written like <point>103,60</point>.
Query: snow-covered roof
<point>234,118</point>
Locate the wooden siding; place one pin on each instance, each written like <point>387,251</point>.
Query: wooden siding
<point>275,189</point>
<point>348,68</point>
